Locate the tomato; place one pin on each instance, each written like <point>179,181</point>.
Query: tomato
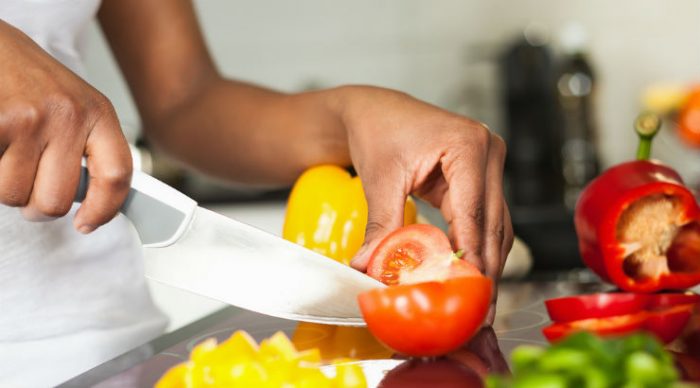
<point>689,119</point>
<point>414,254</point>
<point>430,318</point>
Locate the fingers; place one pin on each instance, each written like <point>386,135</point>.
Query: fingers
<point>109,165</point>
<point>463,167</point>
<point>18,164</point>
<point>494,228</point>
<point>55,183</point>
<point>386,199</point>
<point>508,237</point>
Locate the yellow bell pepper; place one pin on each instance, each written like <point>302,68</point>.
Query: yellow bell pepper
<point>327,213</point>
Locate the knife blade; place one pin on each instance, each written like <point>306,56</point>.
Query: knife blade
<point>197,250</point>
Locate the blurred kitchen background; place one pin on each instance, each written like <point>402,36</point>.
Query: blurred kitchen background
<point>561,81</point>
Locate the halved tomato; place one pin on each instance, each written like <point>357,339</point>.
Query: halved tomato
<point>430,318</point>
<point>417,253</point>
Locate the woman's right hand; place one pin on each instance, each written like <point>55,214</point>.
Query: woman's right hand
<point>49,119</point>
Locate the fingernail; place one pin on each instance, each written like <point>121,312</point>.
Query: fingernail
<point>85,229</point>
<point>357,261</point>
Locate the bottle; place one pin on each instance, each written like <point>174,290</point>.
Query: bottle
<point>533,165</point>
<point>575,93</point>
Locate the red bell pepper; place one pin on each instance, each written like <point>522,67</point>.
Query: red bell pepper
<point>639,225</point>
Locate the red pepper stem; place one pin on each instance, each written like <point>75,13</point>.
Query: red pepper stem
<point>646,125</point>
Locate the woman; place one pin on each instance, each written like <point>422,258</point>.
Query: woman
<point>73,293</point>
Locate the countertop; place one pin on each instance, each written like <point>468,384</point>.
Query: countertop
<point>521,315</point>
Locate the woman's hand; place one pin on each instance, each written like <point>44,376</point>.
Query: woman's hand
<point>401,146</point>
<point>49,120</point>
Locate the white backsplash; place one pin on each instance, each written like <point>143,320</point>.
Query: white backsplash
<point>443,52</point>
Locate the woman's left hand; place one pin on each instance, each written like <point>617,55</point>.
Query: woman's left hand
<point>400,146</point>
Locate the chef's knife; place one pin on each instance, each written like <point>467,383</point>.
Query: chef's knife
<point>195,249</point>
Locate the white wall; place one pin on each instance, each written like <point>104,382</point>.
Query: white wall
<point>443,51</point>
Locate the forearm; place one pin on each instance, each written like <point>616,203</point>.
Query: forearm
<point>242,132</point>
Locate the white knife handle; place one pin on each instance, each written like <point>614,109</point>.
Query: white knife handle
<point>158,212</point>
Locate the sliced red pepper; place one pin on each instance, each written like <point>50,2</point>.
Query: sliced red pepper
<point>666,324</point>
<point>630,217</point>
<point>611,326</point>
<point>602,305</point>
<point>575,308</point>
<point>665,300</point>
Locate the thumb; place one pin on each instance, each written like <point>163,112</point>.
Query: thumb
<point>385,208</point>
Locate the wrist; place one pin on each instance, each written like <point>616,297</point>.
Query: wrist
<point>352,103</point>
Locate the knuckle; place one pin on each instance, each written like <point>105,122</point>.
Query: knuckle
<point>374,227</point>
<point>498,144</point>
<point>20,117</point>
<point>477,213</point>
<point>67,108</point>
<point>52,207</point>
<point>472,135</point>
<point>498,232</point>
<point>481,135</point>
<point>117,178</point>
<point>102,106</point>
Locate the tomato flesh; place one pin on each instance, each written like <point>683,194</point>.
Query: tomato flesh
<point>403,258</point>
<point>414,254</point>
<point>430,318</point>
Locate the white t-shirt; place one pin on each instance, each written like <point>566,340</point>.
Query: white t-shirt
<point>67,301</point>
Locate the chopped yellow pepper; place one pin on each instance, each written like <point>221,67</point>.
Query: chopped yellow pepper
<point>327,212</point>
<point>239,362</point>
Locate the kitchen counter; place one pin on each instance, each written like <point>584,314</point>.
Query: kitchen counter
<point>520,317</point>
